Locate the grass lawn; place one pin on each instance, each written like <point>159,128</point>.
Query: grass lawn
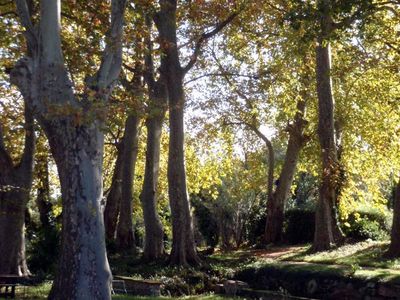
<point>40,292</point>
<point>362,260</point>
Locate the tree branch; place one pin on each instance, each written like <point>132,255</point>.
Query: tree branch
<point>26,21</point>
<point>112,56</point>
<point>230,74</point>
<point>204,37</point>
<point>26,163</point>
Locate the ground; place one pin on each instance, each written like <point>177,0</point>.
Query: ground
<point>362,260</point>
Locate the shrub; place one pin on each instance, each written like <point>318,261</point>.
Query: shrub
<point>43,251</point>
<point>299,226</point>
<point>205,220</point>
<point>368,223</point>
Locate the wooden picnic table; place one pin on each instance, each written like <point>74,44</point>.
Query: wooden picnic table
<point>8,284</point>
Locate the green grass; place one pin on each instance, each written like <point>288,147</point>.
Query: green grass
<point>364,254</point>
<point>40,292</point>
<point>362,260</point>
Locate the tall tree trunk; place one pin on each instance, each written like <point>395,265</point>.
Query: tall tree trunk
<point>183,245</point>
<point>74,129</point>
<point>327,231</point>
<point>154,234</point>
<point>113,202</point>
<point>78,154</point>
<point>394,248</point>
<point>15,186</point>
<point>158,103</point>
<point>125,234</point>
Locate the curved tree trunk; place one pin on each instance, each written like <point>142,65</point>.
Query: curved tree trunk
<point>113,202</point>
<point>275,218</point>
<point>125,235</point>
<point>327,231</point>
<point>15,186</point>
<point>394,248</point>
<point>154,234</point>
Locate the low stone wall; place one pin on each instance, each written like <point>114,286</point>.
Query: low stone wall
<point>318,285</point>
<point>141,287</point>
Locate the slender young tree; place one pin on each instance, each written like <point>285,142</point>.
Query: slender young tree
<point>73,125</point>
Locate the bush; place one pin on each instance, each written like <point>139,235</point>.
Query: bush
<point>256,226</point>
<point>368,223</point>
<point>43,251</point>
<point>205,220</point>
<point>299,226</point>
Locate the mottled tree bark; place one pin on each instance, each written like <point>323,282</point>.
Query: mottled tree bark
<point>125,235</point>
<point>394,248</point>
<point>327,231</point>
<point>83,263</point>
<point>73,126</point>
<point>15,186</point>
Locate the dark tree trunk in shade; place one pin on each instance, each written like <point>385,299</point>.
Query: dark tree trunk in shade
<point>158,103</point>
<point>125,235</point>
<point>154,234</point>
<point>43,192</point>
<point>15,186</point>
<point>111,210</point>
<point>183,245</point>
<point>394,248</point>
<point>327,231</point>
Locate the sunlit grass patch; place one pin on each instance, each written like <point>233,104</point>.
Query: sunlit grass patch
<point>365,254</point>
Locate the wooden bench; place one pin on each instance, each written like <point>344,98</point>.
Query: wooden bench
<point>141,287</point>
<point>7,290</point>
<point>9,283</point>
<point>118,287</point>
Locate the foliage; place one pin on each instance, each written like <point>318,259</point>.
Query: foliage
<point>368,223</point>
